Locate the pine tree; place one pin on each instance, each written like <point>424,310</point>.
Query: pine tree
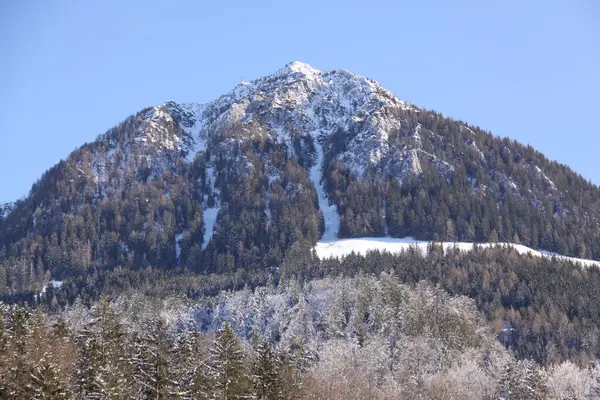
<point>85,379</point>
<point>533,381</point>
<point>202,385</point>
<point>189,369</point>
<point>522,380</point>
<point>508,384</point>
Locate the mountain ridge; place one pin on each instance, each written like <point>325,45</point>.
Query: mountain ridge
<point>284,161</point>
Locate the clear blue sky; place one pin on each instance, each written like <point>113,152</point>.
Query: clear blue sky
<point>69,70</point>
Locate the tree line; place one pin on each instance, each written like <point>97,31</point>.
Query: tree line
<point>364,337</point>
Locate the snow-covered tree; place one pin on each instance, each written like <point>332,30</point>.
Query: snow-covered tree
<point>15,366</point>
<point>267,373</point>
<point>567,381</point>
<point>522,380</point>
<point>102,365</point>
<point>151,364</point>
<point>229,373</point>
<point>47,382</point>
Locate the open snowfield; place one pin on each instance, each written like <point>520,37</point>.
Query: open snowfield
<point>342,247</point>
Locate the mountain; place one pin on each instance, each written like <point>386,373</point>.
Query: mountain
<point>277,164</point>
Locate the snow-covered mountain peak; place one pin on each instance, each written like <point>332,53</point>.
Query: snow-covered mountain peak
<point>296,101</point>
<point>301,68</point>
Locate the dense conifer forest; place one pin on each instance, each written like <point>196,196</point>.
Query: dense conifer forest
<point>345,338</point>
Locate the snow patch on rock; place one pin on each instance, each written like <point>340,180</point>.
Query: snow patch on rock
<point>538,173</point>
<point>154,129</point>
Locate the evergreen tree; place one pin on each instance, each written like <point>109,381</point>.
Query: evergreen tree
<point>151,362</point>
<point>267,374</point>
<point>522,380</point>
<point>189,369</point>
<point>102,365</point>
<point>85,380</point>
<point>47,382</point>
<point>15,365</point>
<point>229,373</point>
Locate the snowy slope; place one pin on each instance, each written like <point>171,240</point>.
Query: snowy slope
<point>330,214</point>
<point>343,247</point>
<point>210,213</point>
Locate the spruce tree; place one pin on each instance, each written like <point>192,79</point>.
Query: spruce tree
<point>86,383</point>
<point>47,382</point>
<point>229,374</point>
<point>188,370</point>
<point>533,381</point>
<point>101,370</point>
<point>15,366</point>
<point>267,373</point>
<point>151,362</point>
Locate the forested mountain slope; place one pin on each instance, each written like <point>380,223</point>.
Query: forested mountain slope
<point>234,184</point>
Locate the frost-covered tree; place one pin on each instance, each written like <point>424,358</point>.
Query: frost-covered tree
<point>522,380</point>
<point>229,373</point>
<point>47,382</point>
<point>346,370</point>
<point>399,341</point>
<point>189,367</point>
<point>15,365</point>
<point>85,382</point>
<point>102,368</point>
<point>298,330</point>
<point>266,371</point>
<point>567,381</point>
<point>466,380</point>
<point>151,362</point>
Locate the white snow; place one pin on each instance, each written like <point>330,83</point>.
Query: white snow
<point>330,214</point>
<point>210,214</point>
<point>196,130</point>
<point>473,145</point>
<point>302,68</point>
<point>541,174</point>
<point>210,219</point>
<point>177,245</point>
<point>411,165</point>
<point>417,133</point>
<point>343,247</point>
<point>54,283</point>
<point>154,131</point>
<point>283,139</point>
<point>199,145</point>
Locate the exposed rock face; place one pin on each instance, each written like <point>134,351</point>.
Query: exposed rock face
<point>300,100</point>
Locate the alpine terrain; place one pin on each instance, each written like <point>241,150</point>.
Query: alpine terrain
<point>316,223</point>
